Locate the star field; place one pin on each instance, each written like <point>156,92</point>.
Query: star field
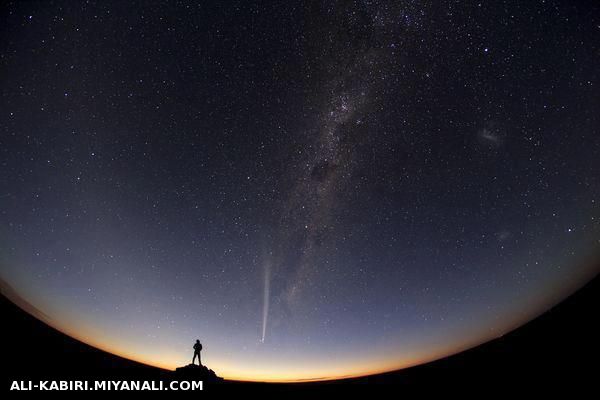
<point>313,189</point>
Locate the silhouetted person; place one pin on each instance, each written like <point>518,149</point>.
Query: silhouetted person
<point>197,349</point>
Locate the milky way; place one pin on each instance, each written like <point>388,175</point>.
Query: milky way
<point>355,72</point>
<point>312,189</point>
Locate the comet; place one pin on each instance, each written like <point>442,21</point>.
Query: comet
<point>266,300</point>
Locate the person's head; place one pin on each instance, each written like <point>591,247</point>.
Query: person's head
<point>197,341</point>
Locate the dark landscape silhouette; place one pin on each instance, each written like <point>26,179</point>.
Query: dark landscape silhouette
<point>548,351</point>
<point>197,372</point>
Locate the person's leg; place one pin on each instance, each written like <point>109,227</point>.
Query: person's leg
<point>194,358</point>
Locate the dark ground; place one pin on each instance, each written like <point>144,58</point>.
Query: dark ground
<point>558,350</point>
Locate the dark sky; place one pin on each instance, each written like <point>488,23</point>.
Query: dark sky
<point>313,189</point>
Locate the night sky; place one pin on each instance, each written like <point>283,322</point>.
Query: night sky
<point>313,190</point>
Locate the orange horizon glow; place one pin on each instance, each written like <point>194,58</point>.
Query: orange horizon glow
<point>349,373</point>
<point>276,374</point>
<point>229,373</point>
